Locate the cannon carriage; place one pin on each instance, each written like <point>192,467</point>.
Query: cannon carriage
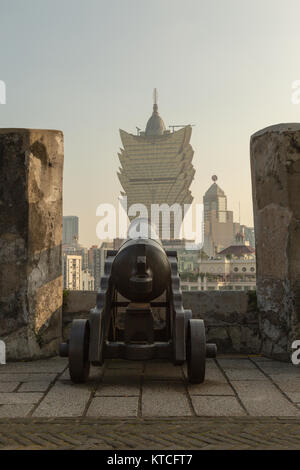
<point>136,278</point>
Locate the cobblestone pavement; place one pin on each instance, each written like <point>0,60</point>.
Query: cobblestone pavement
<point>245,402</point>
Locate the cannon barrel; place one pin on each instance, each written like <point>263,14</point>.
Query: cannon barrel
<point>141,270</point>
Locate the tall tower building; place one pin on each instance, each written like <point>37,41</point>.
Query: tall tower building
<point>70,230</point>
<point>215,200</point>
<point>219,228</point>
<point>156,167</point>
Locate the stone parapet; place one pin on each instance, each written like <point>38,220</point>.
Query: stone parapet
<point>31,169</point>
<point>231,318</point>
<point>275,168</point>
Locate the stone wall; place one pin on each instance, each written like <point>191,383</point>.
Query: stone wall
<point>31,168</point>
<point>231,318</point>
<point>275,168</point>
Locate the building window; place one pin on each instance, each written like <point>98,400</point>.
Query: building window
<point>236,269</point>
<point>244,269</point>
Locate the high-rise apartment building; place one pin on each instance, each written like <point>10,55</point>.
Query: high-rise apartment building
<point>87,280</point>
<point>72,271</point>
<point>94,257</point>
<point>96,261</point>
<point>70,230</point>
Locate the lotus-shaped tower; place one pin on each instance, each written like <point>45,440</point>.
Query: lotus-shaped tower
<point>156,167</point>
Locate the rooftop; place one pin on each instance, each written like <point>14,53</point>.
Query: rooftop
<point>155,125</point>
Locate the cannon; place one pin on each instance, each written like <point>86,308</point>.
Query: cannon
<point>138,278</point>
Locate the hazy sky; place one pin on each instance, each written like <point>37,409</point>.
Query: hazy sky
<point>88,68</point>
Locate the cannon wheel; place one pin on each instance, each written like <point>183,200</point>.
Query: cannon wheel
<point>79,365</point>
<point>196,351</point>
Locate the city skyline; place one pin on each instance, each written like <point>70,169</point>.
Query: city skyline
<point>218,65</point>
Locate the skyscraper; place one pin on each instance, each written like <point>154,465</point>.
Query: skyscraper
<point>219,228</point>
<point>156,166</point>
<point>70,230</point>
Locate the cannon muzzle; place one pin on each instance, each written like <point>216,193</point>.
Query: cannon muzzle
<point>141,270</point>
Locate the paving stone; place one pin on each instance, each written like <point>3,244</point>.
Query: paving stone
<point>131,388</point>
<point>217,406</point>
<point>64,400</point>
<point>123,364</point>
<point>121,376</point>
<point>8,386</point>
<point>210,387</point>
<point>164,399</point>
<point>95,374</point>
<point>280,368</point>
<point>244,374</point>
<point>287,384</point>
<point>215,374</point>
<point>16,398</point>
<point>114,407</point>
<point>282,378</point>
<point>117,384</point>
<point>261,359</point>
<point>262,398</point>
<point>34,386</point>
<point>211,363</point>
<point>56,364</point>
<point>64,376</point>
<point>162,371</point>
<point>294,396</point>
<point>236,364</point>
<point>20,377</point>
<point>15,411</point>
<point>212,372</point>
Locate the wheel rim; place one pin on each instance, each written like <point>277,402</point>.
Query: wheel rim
<point>196,351</point>
<point>79,365</point>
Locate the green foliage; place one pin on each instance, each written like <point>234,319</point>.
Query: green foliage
<point>252,300</point>
<point>65,299</point>
<point>189,276</point>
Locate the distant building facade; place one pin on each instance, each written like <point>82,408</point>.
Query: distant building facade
<point>70,229</point>
<point>234,268</point>
<point>72,272</point>
<point>249,235</point>
<point>188,260</point>
<point>156,168</point>
<point>87,280</point>
<point>96,261</point>
<point>219,227</point>
<point>94,258</point>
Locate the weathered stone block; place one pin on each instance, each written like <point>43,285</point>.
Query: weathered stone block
<point>275,168</point>
<point>31,169</point>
